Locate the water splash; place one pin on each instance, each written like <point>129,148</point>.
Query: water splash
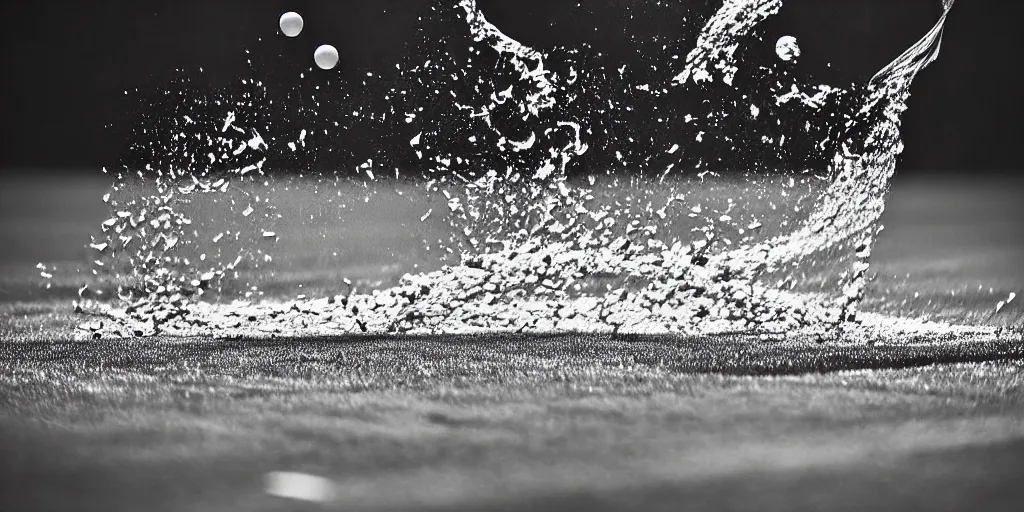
<point>719,192</point>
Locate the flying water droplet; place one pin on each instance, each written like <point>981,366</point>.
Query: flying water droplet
<point>787,48</point>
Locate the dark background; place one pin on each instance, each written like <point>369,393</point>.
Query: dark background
<point>67,64</point>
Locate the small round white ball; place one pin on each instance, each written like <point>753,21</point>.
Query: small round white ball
<point>326,56</point>
<point>291,24</point>
<point>787,48</point>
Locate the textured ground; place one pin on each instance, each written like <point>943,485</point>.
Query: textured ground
<point>504,423</point>
<point>522,423</point>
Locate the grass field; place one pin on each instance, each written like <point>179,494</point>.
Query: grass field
<point>523,423</point>
<point>511,423</point>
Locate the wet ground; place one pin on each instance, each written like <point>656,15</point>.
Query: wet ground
<point>512,423</point>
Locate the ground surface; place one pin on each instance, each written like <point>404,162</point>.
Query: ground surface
<point>512,423</point>
<point>522,423</point>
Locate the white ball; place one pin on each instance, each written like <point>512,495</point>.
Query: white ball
<point>787,49</point>
<point>326,56</point>
<point>291,24</point>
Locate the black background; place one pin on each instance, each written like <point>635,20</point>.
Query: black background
<point>67,63</point>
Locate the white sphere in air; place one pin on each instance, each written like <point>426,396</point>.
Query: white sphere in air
<point>291,24</point>
<point>787,49</point>
<point>326,56</point>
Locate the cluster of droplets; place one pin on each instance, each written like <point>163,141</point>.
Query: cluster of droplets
<point>545,163</point>
<point>195,161</point>
<point>521,123</point>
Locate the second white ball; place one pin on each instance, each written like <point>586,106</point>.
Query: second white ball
<point>326,56</point>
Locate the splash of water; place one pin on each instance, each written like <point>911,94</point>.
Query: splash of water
<point>726,193</point>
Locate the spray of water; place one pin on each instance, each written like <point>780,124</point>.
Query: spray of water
<point>708,188</point>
